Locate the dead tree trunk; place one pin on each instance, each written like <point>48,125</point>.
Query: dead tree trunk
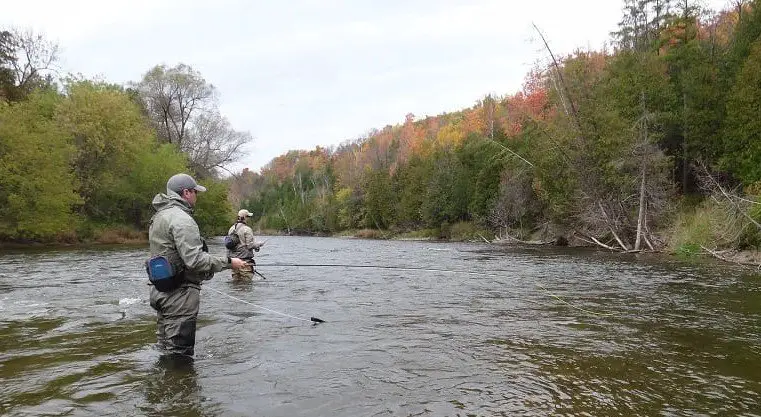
<point>643,180</point>
<point>642,205</point>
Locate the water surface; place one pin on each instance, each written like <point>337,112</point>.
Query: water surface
<point>463,329</point>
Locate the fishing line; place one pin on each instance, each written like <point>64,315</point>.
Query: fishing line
<point>399,268</point>
<point>413,268</point>
<point>571,305</point>
<point>315,320</point>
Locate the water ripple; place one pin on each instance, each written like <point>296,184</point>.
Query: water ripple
<point>530,332</point>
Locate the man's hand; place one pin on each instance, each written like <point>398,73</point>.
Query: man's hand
<point>258,246</point>
<point>237,263</point>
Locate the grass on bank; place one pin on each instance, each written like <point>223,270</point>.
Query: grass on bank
<point>713,225</point>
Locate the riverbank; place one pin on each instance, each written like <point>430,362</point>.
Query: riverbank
<point>118,235</point>
<point>125,236</point>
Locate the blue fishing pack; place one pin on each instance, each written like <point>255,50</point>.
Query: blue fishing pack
<point>162,275</point>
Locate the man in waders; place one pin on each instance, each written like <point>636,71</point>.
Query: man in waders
<point>245,248</point>
<point>174,235</point>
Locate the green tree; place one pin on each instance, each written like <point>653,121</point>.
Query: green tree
<point>213,210</point>
<point>153,166</point>
<point>446,194</point>
<point>742,133</point>
<point>379,200</point>
<point>483,162</point>
<point>694,76</point>
<point>350,210</point>
<point>641,24</point>
<point>36,185</point>
<point>7,60</point>
<point>409,187</point>
<point>109,134</point>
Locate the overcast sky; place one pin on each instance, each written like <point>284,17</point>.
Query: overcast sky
<point>297,74</point>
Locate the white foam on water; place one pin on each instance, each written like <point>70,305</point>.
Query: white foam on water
<point>128,301</point>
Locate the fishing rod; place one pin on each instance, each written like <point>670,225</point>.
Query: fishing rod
<point>252,263</point>
<point>313,320</point>
<point>417,268</point>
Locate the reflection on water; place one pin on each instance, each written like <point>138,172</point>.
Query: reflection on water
<point>172,389</point>
<point>532,331</point>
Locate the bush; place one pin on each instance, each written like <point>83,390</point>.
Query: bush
<point>462,231</point>
<point>688,250</point>
<point>426,234</point>
<point>370,234</point>
<point>692,229</point>
<point>712,225</point>
<point>120,234</point>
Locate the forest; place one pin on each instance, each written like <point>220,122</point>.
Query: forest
<point>81,159</point>
<point>653,143</point>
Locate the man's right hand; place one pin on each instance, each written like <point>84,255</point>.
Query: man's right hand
<point>237,263</point>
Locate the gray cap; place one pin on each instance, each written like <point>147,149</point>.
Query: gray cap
<point>181,182</point>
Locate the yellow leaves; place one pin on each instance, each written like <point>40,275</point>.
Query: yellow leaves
<point>343,195</point>
<point>450,136</point>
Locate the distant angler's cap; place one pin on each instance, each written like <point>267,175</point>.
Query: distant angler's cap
<point>181,182</point>
<point>244,213</point>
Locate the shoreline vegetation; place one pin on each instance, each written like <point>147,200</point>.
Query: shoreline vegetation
<point>128,237</point>
<point>650,145</point>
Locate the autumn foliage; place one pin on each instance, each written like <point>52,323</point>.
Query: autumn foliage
<point>598,145</point>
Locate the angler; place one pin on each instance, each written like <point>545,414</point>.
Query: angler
<point>240,243</point>
<point>178,265</point>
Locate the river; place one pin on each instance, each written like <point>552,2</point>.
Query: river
<point>459,329</point>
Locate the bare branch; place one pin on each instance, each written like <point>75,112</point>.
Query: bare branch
<point>555,63</point>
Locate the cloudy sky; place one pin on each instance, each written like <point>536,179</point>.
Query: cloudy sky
<point>302,73</point>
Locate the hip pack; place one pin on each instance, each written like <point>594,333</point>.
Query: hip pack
<point>162,275</point>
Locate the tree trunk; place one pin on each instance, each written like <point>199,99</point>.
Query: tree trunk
<point>685,146</point>
<point>641,217</point>
<point>643,182</point>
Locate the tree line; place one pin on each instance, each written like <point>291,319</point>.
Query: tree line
<point>81,159</point>
<point>651,143</point>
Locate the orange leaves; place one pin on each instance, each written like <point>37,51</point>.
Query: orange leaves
<point>521,108</point>
<point>475,120</point>
<point>285,166</point>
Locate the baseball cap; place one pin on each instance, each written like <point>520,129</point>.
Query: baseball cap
<point>244,213</point>
<point>180,182</point>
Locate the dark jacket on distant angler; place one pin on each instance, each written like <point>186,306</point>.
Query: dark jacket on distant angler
<point>174,234</point>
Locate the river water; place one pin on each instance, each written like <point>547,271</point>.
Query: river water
<point>459,330</point>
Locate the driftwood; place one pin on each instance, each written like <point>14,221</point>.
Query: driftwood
<point>485,239</point>
<point>593,240</point>
<point>610,227</point>
<point>647,241</point>
<point>602,244</point>
<point>527,242</point>
<point>719,256</point>
<point>731,198</point>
